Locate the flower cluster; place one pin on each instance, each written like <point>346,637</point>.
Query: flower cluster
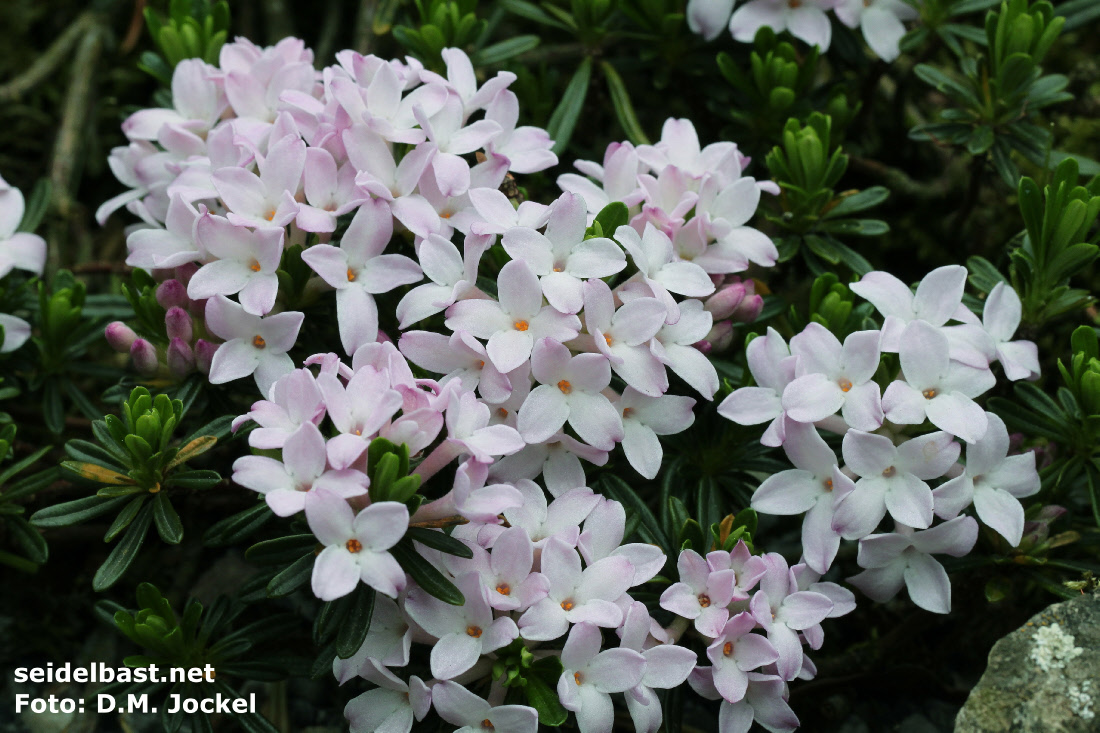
<point>18,251</point>
<point>537,571</point>
<point>749,671</point>
<point>881,21</point>
<point>887,454</point>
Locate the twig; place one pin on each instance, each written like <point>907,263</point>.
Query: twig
<point>137,25</point>
<point>75,114</point>
<point>53,57</point>
<point>900,181</point>
<point>277,19</point>
<point>326,41</point>
<point>364,26</point>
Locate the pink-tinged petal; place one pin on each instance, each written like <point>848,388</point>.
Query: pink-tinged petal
<point>880,584</point>
<point>1020,359</point>
<point>453,654</point>
<point>752,16</point>
<point>220,277</point>
<point>642,448</point>
<point>804,609</point>
<point>381,571</point>
<point>544,621</point>
<point>693,367</point>
<point>685,278</point>
<point>542,414</point>
<point>595,419</point>
<point>641,370</point>
<point>939,294</point>
<point>953,496</point>
<point>1016,475</point>
<point>819,349</point>
<point>811,398</point>
<point>810,23</point>
<point>519,292</point>
<point>890,296</point>
<point>955,538</point>
<point>416,214</point>
<point>457,705</point>
<point>335,574</point>
<point>880,550</point>
<point>1002,313</point>
<point>682,600</point>
<point>330,518</point>
<point>1001,511</point>
<point>606,579</point>
<point>924,355</point>
<point>233,359</point>
<point>563,291</point>
<point>863,407</point>
<point>883,31</point>
<point>502,632</point>
<point>259,293</point>
<point>357,316</point>
<point>509,349</point>
<point>909,502</point>
<point>787,643</point>
<point>787,492</point>
<point>751,406</point>
<point>382,524</point>
<point>529,246</point>
<point>615,670</point>
<point>858,513</point>
<point>668,666</point>
<point>599,257</point>
<point>331,263</point>
<point>928,584</point>
<point>819,542</point>
<point>928,456</point>
<point>958,415</point>
<point>753,651</point>
<point>452,174</point>
<point>868,454</point>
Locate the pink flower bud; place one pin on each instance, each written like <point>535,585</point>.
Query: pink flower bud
<point>184,272</point>
<point>749,310</point>
<point>704,346</point>
<point>181,360</point>
<point>178,324</point>
<point>145,357</point>
<point>725,302</point>
<point>720,336</point>
<point>204,354</point>
<point>172,293</point>
<point>119,336</point>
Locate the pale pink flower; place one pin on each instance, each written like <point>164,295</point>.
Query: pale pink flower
<point>359,270</point>
<point>247,263</point>
<point>253,344</point>
<point>904,557</point>
<point>356,545</point>
<point>589,676</point>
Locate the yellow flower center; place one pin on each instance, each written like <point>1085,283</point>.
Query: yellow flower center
<point>521,325</point>
<point>258,341</point>
<point>727,648</point>
<point>577,678</point>
<point>254,266</point>
<point>845,385</point>
<point>889,472</point>
<point>704,600</point>
<point>474,631</point>
<point>567,605</point>
<point>354,546</point>
<point>351,275</point>
<point>929,393</point>
<point>504,589</point>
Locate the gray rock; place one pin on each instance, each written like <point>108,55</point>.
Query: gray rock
<point>1042,678</point>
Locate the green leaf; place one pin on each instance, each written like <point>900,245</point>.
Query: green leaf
<point>624,108</point>
<point>76,511</point>
<point>857,202</point>
<point>193,449</point>
<point>565,115</point>
<point>281,550</point>
<point>622,492</point>
<point>437,540</point>
<point>292,578</point>
<point>233,529</point>
<point>530,11</point>
<point>125,517</point>
<point>357,623</point>
<point>36,206</point>
<point>544,699</point>
<point>1088,167</point>
<point>613,216</point>
<point>983,275</point>
<point>21,465</point>
<point>125,552</point>
<point>198,479</point>
<point>425,574</point>
<point>33,543</point>
<point>951,87</point>
<point>857,227</point>
<point>169,526</point>
<point>500,52</point>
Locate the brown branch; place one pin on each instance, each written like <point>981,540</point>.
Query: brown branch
<point>75,114</point>
<point>364,26</point>
<point>53,57</point>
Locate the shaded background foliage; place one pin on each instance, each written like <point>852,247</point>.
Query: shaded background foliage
<point>69,75</point>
